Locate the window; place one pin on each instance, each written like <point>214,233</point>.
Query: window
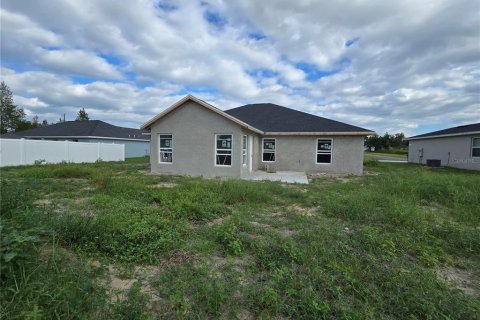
<point>476,147</point>
<point>223,149</point>
<point>244,150</point>
<point>268,152</point>
<point>324,150</point>
<point>166,148</point>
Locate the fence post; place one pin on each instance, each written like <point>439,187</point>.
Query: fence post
<point>22,151</point>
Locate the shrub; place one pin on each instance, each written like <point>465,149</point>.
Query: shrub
<point>13,197</point>
<point>227,235</point>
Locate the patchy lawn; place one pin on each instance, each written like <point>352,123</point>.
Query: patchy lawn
<point>108,240</point>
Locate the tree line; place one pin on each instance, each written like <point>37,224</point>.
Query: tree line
<point>386,142</point>
<point>13,118</point>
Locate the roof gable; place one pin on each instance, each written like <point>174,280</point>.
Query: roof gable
<point>201,103</point>
<point>454,131</point>
<point>275,119</point>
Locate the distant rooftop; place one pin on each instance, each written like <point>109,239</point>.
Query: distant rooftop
<point>460,130</point>
<point>79,129</point>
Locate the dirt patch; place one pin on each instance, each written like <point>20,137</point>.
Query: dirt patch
<point>261,225</point>
<point>178,258</point>
<point>43,202</point>
<point>286,232</point>
<point>215,221</point>
<point>118,286</point>
<point>275,214</point>
<point>244,314</point>
<point>346,179</point>
<point>462,279</point>
<point>163,185</point>
<point>86,189</point>
<point>47,251</point>
<point>239,263</point>
<point>308,212</point>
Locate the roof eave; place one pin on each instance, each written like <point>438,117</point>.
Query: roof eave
<point>82,137</point>
<point>444,135</point>
<point>353,133</point>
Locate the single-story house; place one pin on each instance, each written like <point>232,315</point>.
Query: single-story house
<point>195,138</point>
<point>136,144</point>
<point>457,147</point>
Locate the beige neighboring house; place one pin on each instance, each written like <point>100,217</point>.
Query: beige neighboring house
<point>457,147</point>
<point>195,138</point>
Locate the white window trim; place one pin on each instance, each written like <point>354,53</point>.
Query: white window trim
<point>160,148</point>
<point>244,150</point>
<point>471,152</point>
<point>323,152</point>
<point>274,152</point>
<point>215,150</point>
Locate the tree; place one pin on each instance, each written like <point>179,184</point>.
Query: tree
<point>82,115</point>
<point>35,123</point>
<point>386,142</point>
<point>11,116</point>
<point>44,123</point>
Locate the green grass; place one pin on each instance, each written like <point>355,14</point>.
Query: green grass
<point>108,240</point>
<point>377,155</point>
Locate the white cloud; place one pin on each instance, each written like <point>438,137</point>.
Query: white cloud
<point>410,63</point>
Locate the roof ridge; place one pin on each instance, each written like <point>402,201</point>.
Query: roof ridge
<point>295,110</point>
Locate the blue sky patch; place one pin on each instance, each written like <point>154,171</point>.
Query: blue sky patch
<point>82,79</point>
<point>111,59</point>
<point>350,42</point>
<point>262,73</point>
<point>314,73</point>
<point>215,19</point>
<point>195,91</point>
<point>257,36</point>
<point>165,5</point>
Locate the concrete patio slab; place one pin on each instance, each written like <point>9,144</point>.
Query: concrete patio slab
<point>282,176</point>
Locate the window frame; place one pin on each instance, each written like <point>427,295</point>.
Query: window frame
<point>244,150</point>
<point>471,152</point>
<point>274,151</point>
<point>323,152</point>
<point>216,149</point>
<point>160,147</point>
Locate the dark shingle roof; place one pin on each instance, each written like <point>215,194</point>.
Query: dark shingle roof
<point>474,127</point>
<point>10,135</point>
<point>270,117</point>
<point>90,128</point>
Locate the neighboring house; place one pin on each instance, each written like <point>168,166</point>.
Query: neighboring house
<point>136,144</point>
<point>194,138</point>
<point>457,147</point>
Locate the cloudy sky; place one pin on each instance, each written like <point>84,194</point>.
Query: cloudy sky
<point>406,65</point>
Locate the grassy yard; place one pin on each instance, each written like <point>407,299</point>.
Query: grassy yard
<point>109,241</point>
<point>378,155</point>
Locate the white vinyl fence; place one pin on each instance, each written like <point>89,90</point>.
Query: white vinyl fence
<point>16,152</point>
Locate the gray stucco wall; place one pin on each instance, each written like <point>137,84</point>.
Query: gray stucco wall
<point>193,130</point>
<point>452,151</point>
<point>298,153</point>
<point>132,148</point>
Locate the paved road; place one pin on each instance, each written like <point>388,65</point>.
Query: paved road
<point>392,158</point>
